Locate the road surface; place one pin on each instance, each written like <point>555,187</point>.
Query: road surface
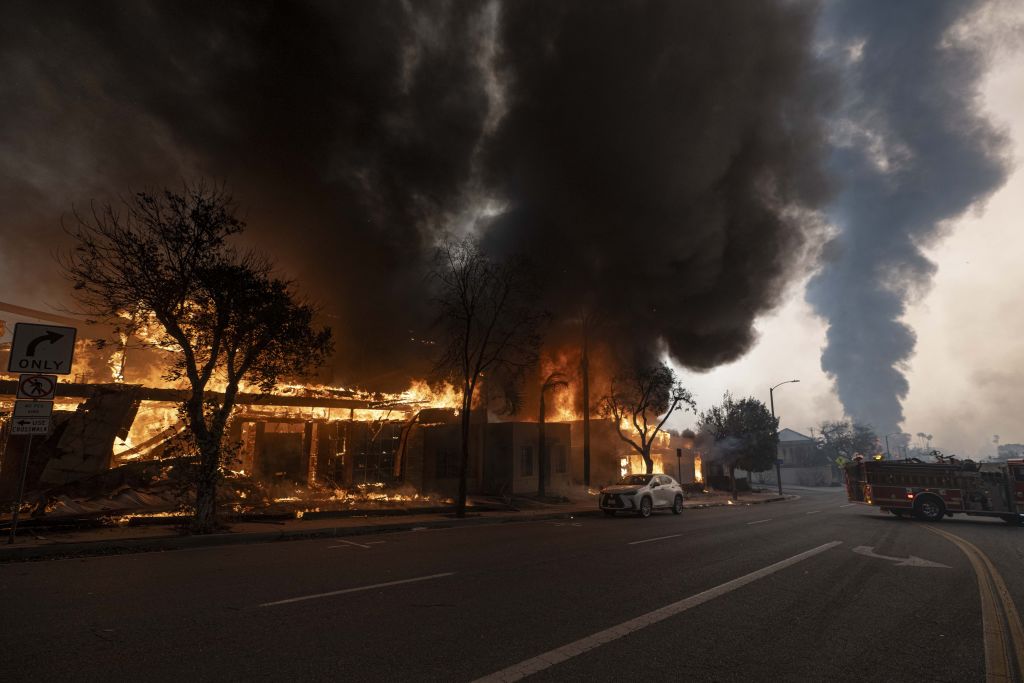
<point>812,589</point>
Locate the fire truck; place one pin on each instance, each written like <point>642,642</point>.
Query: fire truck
<point>930,491</point>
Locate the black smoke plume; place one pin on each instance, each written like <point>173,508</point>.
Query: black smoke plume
<point>912,150</point>
<point>658,160</point>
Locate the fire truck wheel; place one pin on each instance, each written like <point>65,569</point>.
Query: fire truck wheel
<point>929,508</point>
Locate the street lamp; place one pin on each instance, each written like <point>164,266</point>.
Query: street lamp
<point>771,399</point>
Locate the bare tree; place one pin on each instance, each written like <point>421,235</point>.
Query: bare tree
<point>554,380</point>
<point>490,327</point>
<point>638,398</point>
<point>164,257</point>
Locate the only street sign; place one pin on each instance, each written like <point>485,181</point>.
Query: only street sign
<point>30,425</point>
<point>33,408</point>
<point>42,348</point>
<point>37,387</point>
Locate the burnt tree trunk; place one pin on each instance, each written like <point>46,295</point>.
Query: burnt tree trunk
<point>732,481</point>
<point>210,442</point>
<point>205,519</point>
<point>648,461</point>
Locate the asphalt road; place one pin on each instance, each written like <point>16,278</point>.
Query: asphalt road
<point>762,592</point>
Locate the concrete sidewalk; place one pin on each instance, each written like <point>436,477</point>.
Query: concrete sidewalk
<point>119,540</point>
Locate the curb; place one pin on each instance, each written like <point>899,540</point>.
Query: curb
<point>164,543</point>
<point>143,545</point>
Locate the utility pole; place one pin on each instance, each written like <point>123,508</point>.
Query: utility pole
<point>888,455</point>
<point>771,399</point>
<point>585,371</point>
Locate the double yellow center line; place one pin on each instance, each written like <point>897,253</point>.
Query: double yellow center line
<point>1000,622</point>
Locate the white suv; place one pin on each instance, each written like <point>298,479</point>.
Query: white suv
<point>642,493</point>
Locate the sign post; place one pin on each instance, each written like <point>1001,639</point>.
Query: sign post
<point>679,462</point>
<point>21,491</point>
<point>778,473</point>
<point>35,349</point>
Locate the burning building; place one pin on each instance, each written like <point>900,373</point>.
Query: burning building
<point>119,443</point>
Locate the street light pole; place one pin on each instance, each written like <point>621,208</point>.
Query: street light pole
<point>771,400</point>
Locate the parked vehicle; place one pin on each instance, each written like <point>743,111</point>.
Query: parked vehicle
<point>930,491</point>
<point>642,494</point>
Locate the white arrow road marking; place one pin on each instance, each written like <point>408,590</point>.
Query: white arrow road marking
<point>912,561</point>
<point>760,521</point>
<point>348,543</point>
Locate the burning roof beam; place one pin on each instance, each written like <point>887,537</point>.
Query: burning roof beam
<point>8,389</point>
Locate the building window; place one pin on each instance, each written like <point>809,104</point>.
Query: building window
<point>526,462</point>
<point>561,462</point>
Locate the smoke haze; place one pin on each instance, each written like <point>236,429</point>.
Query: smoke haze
<point>663,163</point>
<point>912,150</point>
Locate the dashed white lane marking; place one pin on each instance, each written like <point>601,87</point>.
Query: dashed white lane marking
<point>347,543</point>
<point>566,652</point>
<point>847,505</point>
<point>813,512</point>
<point>760,521</point>
<point>355,590</point>
<point>651,540</point>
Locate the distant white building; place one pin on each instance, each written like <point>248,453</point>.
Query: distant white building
<point>796,449</point>
<point>802,463</point>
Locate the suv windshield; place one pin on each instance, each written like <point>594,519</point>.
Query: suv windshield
<point>636,479</point>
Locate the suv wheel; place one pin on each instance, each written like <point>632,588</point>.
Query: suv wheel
<point>677,506</point>
<point>646,506</point>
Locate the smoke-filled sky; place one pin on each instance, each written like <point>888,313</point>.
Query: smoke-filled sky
<point>683,168</point>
